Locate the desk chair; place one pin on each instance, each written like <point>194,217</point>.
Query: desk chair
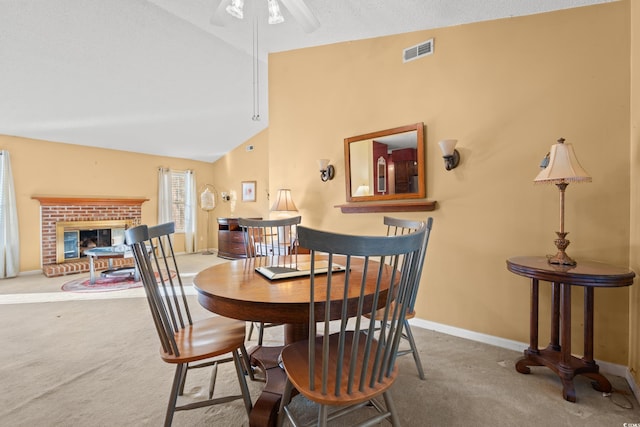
<point>397,227</point>
<point>350,368</point>
<point>265,239</point>
<point>184,341</point>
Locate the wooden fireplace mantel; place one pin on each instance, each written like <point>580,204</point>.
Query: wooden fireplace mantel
<point>89,201</point>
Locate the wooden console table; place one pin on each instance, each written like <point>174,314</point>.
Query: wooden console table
<point>557,355</point>
<point>230,239</point>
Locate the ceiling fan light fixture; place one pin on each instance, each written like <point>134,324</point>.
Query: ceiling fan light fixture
<point>235,9</point>
<point>275,16</point>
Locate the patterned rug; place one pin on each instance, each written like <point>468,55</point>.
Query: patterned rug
<point>103,284</point>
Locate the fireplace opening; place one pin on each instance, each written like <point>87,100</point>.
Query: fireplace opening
<point>89,239</point>
<point>75,237</point>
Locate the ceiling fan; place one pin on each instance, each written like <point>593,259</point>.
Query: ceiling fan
<point>298,9</point>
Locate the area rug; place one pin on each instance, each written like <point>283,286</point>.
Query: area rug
<point>103,284</point>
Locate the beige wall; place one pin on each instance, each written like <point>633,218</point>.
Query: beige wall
<point>634,259</point>
<point>244,165</point>
<point>506,90</point>
<point>54,169</point>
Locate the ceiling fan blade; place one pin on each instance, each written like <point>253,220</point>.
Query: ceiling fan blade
<point>219,15</point>
<point>302,14</point>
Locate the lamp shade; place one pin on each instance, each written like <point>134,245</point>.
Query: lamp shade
<point>447,146</point>
<point>362,190</point>
<point>323,163</point>
<point>275,16</point>
<point>284,202</point>
<point>563,166</point>
<point>207,200</point>
<point>235,9</point>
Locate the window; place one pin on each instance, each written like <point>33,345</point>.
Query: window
<point>178,192</point>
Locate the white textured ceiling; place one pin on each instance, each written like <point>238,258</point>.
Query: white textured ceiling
<point>156,77</point>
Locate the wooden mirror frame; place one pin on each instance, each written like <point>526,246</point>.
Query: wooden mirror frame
<point>420,150</point>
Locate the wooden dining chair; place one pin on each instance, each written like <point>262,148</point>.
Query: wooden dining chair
<point>354,365</point>
<point>269,240</point>
<point>185,342</point>
<point>398,227</point>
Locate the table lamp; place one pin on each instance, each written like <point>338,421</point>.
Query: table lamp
<point>284,202</point>
<point>561,169</point>
<point>283,205</point>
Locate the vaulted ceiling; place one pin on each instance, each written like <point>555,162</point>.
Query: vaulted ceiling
<point>157,77</point>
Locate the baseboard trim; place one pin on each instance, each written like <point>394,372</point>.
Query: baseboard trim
<point>605,367</point>
<point>30,272</point>
<point>470,335</point>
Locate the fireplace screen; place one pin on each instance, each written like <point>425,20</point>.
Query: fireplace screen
<point>75,237</point>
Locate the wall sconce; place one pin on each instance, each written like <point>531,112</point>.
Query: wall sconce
<point>225,196</point>
<point>327,171</point>
<point>449,153</point>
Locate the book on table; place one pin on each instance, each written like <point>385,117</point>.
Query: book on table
<point>274,272</point>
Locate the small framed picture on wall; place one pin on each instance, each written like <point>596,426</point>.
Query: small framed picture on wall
<point>248,191</point>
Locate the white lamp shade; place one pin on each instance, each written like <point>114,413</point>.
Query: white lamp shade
<point>323,164</point>
<point>207,200</point>
<point>448,146</point>
<point>563,166</point>
<point>284,202</point>
<point>275,16</point>
<point>235,9</point>
<point>362,190</point>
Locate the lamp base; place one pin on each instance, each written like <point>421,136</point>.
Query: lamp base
<point>561,257</point>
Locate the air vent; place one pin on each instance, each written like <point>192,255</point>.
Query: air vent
<point>418,51</point>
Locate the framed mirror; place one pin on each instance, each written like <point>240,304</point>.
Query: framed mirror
<point>386,165</point>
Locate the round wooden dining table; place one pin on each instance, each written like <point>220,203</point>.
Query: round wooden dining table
<point>236,290</point>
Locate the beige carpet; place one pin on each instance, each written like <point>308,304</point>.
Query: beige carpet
<point>91,360</point>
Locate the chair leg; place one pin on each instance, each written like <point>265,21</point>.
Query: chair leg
<point>260,333</point>
<point>414,349</point>
<point>323,414</point>
<point>247,363</point>
<point>250,331</point>
<point>173,397</point>
<point>388,401</point>
<point>242,382</point>
<point>212,382</point>
<point>183,379</point>
<point>284,400</point>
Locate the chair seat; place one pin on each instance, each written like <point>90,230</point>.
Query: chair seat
<point>379,314</point>
<point>207,338</point>
<point>295,359</point>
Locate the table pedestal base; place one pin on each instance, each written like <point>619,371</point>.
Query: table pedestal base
<point>552,359</point>
<point>265,409</point>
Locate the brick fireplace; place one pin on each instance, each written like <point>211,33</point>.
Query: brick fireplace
<point>81,213</point>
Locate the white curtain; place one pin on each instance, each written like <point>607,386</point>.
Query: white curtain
<point>164,196</point>
<point>9,239</point>
<point>190,211</point>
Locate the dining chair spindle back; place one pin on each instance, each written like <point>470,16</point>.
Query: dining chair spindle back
<point>266,240</point>
<point>398,227</point>
<point>185,342</point>
<point>354,364</point>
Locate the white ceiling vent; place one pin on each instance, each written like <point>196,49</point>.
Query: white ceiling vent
<point>418,51</point>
